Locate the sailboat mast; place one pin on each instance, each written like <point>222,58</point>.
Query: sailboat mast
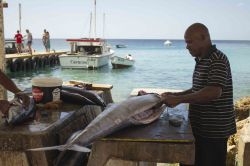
<point>103,30</point>
<point>20,18</point>
<point>90,25</point>
<point>95,20</point>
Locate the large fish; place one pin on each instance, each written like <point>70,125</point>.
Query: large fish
<point>88,97</point>
<point>17,114</point>
<point>113,118</point>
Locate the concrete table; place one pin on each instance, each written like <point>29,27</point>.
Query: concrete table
<point>54,128</point>
<point>157,142</point>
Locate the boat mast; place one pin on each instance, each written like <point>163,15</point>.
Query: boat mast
<point>95,20</point>
<point>90,25</point>
<point>20,17</point>
<point>103,30</point>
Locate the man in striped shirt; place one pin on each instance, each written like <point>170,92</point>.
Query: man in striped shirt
<point>211,110</point>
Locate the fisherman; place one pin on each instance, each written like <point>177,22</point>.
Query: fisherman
<point>11,86</point>
<point>211,111</point>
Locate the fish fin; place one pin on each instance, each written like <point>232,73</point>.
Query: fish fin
<point>60,147</point>
<point>79,148</point>
<point>74,147</point>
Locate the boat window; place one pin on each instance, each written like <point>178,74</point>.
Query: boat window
<point>90,49</point>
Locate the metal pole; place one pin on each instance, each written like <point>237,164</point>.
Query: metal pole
<point>20,18</point>
<point>103,30</point>
<point>95,21</point>
<point>90,25</point>
<point>3,93</point>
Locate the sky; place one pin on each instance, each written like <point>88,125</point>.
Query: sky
<point>129,19</point>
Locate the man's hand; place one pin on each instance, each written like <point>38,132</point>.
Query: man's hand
<point>25,99</point>
<point>169,99</point>
<point>4,106</point>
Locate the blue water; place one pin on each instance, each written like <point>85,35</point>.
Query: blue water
<point>156,67</point>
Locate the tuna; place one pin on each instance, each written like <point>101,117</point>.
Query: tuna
<point>135,110</point>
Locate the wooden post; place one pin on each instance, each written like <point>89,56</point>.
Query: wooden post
<point>3,93</point>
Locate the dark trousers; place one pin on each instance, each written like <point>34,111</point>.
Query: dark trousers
<point>210,152</point>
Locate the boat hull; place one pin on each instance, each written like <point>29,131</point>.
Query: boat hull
<point>119,62</point>
<point>84,61</point>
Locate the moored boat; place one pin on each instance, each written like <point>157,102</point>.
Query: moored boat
<point>167,43</point>
<point>120,46</point>
<point>86,53</point>
<point>120,62</point>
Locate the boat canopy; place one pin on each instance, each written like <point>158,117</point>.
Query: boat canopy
<point>85,40</point>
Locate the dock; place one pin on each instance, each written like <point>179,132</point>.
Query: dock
<point>34,54</point>
<point>28,62</point>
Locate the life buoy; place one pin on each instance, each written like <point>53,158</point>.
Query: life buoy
<point>41,62</point>
<point>27,64</point>
<point>35,61</point>
<point>57,61</point>
<point>51,60</point>
<point>8,63</point>
<point>45,60</point>
<point>17,65</point>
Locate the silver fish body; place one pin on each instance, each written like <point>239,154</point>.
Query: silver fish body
<point>114,117</point>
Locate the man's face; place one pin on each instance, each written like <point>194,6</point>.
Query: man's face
<point>194,43</point>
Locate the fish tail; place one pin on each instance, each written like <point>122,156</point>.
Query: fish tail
<point>74,147</point>
<point>79,148</point>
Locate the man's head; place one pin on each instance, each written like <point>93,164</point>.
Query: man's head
<point>197,39</point>
<point>44,30</point>
<point>27,30</point>
<point>17,31</point>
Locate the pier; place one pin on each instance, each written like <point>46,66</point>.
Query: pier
<point>28,62</point>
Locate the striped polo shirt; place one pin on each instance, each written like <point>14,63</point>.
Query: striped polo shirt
<point>216,118</point>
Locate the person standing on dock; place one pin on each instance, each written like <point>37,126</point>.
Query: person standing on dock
<point>7,83</point>
<point>29,40</point>
<point>19,42</point>
<point>211,110</point>
<point>46,40</point>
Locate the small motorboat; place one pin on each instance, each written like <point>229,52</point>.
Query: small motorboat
<point>120,62</point>
<point>120,46</point>
<point>167,43</point>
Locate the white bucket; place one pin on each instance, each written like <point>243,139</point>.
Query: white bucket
<point>46,89</point>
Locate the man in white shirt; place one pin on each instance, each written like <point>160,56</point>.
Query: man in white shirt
<point>29,40</point>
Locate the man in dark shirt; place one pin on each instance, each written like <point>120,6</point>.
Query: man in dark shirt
<point>10,85</point>
<point>211,110</point>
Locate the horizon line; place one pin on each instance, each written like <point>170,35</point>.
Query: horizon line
<point>140,39</point>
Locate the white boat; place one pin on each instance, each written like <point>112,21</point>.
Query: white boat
<point>120,62</point>
<point>167,43</point>
<point>87,53</point>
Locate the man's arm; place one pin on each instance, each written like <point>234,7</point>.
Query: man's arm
<point>188,91</point>
<point>202,96</point>
<point>8,84</point>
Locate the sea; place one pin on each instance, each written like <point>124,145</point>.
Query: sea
<point>156,66</point>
